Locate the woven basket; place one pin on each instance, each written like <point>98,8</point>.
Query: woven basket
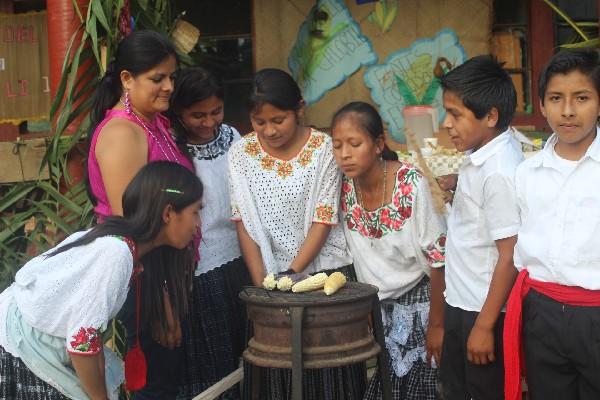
<point>185,36</point>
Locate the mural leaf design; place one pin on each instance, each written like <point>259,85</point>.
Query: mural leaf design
<point>384,14</point>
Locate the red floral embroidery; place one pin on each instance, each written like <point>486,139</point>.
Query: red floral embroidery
<point>346,188</point>
<point>442,241</point>
<point>87,340</point>
<point>324,213</point>
<point>406,189</point>
<point>435,252</point>
<point>390,217</point>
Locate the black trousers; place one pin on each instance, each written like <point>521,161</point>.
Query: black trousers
<point>562,349</point>
<point>460,379</point>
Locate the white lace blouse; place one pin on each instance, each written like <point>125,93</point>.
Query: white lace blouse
<point>219,243</point>
<point>394,246</point>
<point>279,200</point>
<point>73,294</point>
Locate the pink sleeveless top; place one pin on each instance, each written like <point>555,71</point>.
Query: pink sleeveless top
<point>161,148</point>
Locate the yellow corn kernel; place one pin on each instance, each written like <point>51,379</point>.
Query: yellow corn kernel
<point>311,283</point>
<point>334,282</point>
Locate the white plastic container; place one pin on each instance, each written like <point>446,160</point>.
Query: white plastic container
<point>422,120</point>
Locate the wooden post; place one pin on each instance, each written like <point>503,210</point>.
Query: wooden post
<point>63,21</point>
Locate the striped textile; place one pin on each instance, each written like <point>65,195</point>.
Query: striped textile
<point>421,381</point>
<point>17,382</point>
<point>214,330</point>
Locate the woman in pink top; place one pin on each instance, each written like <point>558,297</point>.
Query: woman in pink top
<point>128,132</point>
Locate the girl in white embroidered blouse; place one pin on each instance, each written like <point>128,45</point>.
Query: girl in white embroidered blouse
<point>285,186</point>
<point>285,191</point>
<point>64,298</point>
<point>397,242</point>
<point>197,112</point>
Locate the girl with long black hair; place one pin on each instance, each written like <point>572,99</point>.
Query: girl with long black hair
<point>53,315</point>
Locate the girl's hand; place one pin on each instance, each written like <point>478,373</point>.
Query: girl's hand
<point>480,345</point>
<point>433,344</point>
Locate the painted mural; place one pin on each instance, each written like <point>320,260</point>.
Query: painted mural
<point>329,48</point>
<point>411,77</point>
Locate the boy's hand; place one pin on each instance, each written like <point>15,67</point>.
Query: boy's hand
<point>433,344</point>
<point>448,182</point>
<point>480,346</point>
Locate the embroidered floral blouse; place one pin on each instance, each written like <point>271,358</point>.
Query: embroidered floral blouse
<point>73,294</point>
<point>279,200</point>
<point>394,246</point>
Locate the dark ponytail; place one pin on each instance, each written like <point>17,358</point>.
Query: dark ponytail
<point>370,122</point>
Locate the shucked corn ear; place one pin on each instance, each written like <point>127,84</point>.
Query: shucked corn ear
<point>285,283</point>
<point>269,282</point>
<point>311,283</point>
<point>334,282</point>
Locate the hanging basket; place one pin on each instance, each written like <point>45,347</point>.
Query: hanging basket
<point>185,36</point>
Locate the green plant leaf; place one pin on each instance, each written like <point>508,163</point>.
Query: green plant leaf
<point>60,198</point>
<point>595,42</point>
<point>16,193</point>
<point>77,10</point>
<point>567,19</point>
<point>97,9</point>
<point>64,76</point>
<point>143,4</point>
<point>53,217</point>
<point>93,32</point>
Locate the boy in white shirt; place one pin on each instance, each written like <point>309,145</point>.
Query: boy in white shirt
<point>480,100</point>
<point>558,250</point>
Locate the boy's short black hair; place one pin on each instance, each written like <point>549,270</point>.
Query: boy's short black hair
<point>481,84</point>
<point>587,61</point>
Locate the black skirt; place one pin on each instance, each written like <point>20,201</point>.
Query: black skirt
<point>214,330</point>
<point>17,382</point>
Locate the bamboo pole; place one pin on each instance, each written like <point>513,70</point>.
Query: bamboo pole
<point>218,388</point>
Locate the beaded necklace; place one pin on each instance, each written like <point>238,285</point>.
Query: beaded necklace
<point>373,228</point>
<point>141,122</point>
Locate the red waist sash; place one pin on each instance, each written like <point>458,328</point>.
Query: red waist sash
<point>514,362</point>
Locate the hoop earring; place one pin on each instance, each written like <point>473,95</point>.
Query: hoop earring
<point>127,102</point>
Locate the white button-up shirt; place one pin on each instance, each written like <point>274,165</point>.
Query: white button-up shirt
<point>559,240</point>
<point>484,210</point>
